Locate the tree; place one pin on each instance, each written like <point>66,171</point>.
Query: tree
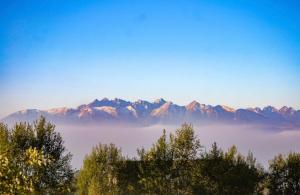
<point>100,170</point>
<point>167,167</point>
<point>128,180</point>
<point>20,178</point>
<point>156,167</point>
<point>34,159</point>
<point>284,174</point>
<point>228,173</point>
<point>186,148</point>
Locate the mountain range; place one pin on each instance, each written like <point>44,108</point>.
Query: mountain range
<point>141,112</point>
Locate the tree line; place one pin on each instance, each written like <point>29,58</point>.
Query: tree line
<point>33,160</point>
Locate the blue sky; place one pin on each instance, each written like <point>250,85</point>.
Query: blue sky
<point>64,53</point>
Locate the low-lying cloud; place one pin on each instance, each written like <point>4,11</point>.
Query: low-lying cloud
<point>264,143</point>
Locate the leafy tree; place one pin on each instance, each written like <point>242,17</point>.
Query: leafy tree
<point>186,149</point>
<point>128,177</point>
<point>284,174</point>
<point>20,178</point>
<point>4,139</point>
<point>228,173</point>
<point>100,170</point>
<point>156,167</point>
<point>34,160</point>
<point>167,167</point>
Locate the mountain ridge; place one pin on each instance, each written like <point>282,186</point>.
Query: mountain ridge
<point>160,111</point>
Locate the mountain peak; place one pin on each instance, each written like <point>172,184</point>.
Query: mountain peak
<point>287,110</point>
<point>97,101</point>
<point>193,105</point>
<point>270,109</point>
<point>102,100</point>
<point>139,101</point>
<point>160,101</point>
<point>118,100</point>
<point>226,108</point>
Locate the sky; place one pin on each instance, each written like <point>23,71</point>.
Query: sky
<point>57,53</point>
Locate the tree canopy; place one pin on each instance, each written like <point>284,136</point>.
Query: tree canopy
<point>175,164</point>
<point>284,174</point>
<point>34,160</point>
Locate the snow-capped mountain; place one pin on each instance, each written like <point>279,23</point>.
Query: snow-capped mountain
<point>160,111</point>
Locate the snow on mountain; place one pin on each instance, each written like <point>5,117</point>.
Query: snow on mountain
<point>132,111</point>
<point>59,111</point>
<point>227,108</point>
<point>160,111</point>
<point>194,106</point>
<point>127,113</point>
<point>196,112</point>
<point>224,112</point>
<point>84,111</point>
<point>143,108</point>
<point>256,110</point>
<point>168,109</point>
<point>108,109</point>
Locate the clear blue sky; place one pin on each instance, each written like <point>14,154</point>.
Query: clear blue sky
<point>63,53</point>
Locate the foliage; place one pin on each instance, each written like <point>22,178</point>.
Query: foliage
<point>167,167</point>
<point>175,164</point>
<point>156,168</point>
<point>20,178</point>
<point>99,172</point>
<point>284,174</point>
<point>33,160</point>
<point>128,177</point>
<point>228,173</point>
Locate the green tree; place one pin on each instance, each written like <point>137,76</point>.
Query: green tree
<point>128,180</point>
<point>167,167</point>
<point>99,174</point>
<point>156,166</point>
<point>20,178</point>
<point>34,160</point>
<point>228,173</point>
<point>284,174</point>
<point>186,148</point>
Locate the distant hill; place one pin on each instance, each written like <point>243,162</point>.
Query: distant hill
<point>145,113</point>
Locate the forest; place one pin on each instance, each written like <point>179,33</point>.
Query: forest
<point>34,160</point>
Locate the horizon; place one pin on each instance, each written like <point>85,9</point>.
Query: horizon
<point>156,99</point>
<point>242,54</point>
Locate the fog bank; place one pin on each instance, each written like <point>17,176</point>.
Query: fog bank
<point>264,143</point>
